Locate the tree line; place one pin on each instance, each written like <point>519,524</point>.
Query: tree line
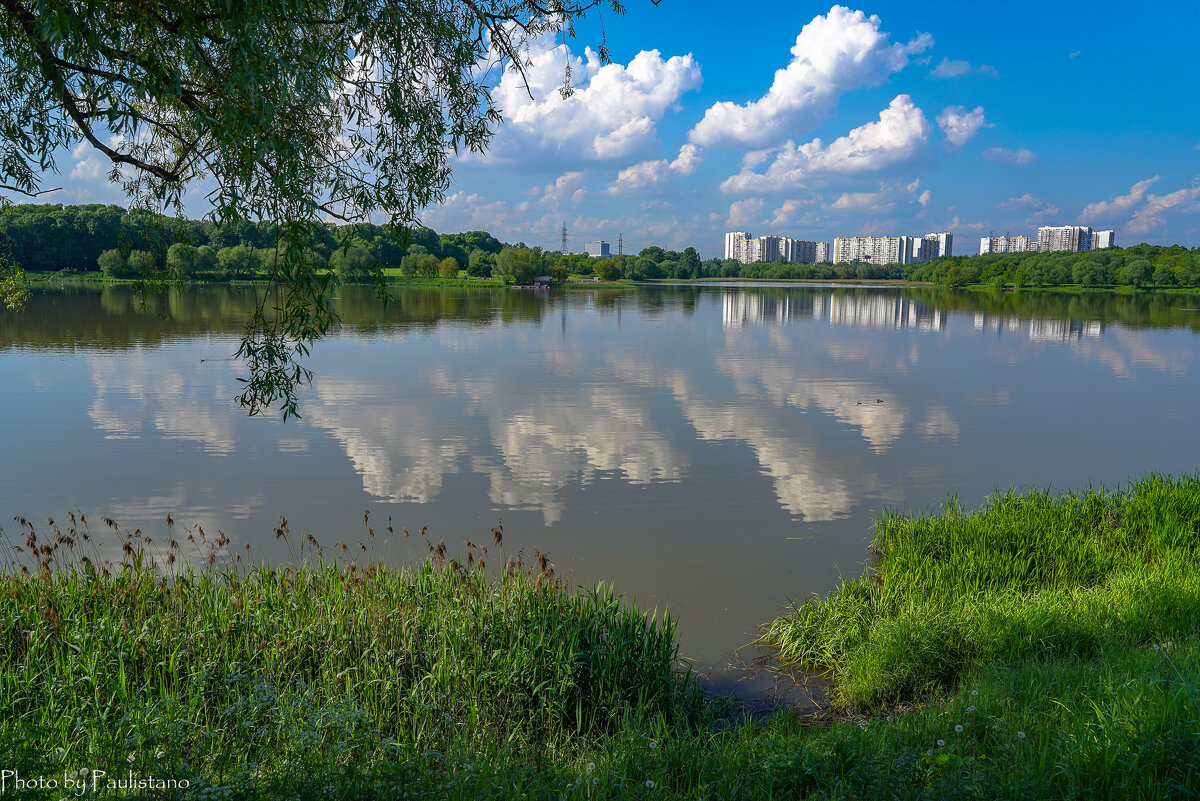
<point>1135,266</point>
<point>122,243</point>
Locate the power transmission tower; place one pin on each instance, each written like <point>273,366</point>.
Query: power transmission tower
<point>620,244</point>
<point>563,249</point>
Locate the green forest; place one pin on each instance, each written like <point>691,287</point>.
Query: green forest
<point>119,243</point>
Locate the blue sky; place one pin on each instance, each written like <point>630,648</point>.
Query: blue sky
<point>814,121</point>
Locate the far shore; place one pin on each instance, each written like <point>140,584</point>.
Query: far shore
<point>586,282</point>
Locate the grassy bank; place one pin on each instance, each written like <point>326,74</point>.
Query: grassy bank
<point>393,275</point>
<point>1042,647</point>
<point>280,682</point>
<point>1064,625</point>
<point>799,281</point>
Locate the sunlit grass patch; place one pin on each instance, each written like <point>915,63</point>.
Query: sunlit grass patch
<point>1028,575</point>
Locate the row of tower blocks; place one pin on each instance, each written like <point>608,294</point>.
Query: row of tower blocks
<point>741,246</point>
<point>1051,238</point>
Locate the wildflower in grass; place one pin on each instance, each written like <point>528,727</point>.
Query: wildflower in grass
<point>132,756</point>
<point>653,745</point>
<point>974,692</point>
<point>941,743</point>
<point>929,752</point>
<point>958,728</point>
<point>649,784</point>
<point>596,780</point>
<point>591,767</point>
<point>1020,735</point>
<point>970,709</point>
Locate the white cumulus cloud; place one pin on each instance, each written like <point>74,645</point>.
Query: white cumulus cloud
<point>1040,211</point>
<point>785,214</point>
<point>887,198</point>
<point>1025,201</point>
<point>1115,207</point>
<point>567,188</point>
<point>744,212</point>
<point>1152,215</point>
<point>897,136</point>
<point>86,170</point>
<point>960,125</point>
<point>952,68</point>
<point>660,171</point>
<point>863,201</point>
<point>1017,157</point>
<point>610,116</point>
<point>834,53</point>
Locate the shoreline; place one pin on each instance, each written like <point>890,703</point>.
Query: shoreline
<point>983,648</point>
<point>576,283</point>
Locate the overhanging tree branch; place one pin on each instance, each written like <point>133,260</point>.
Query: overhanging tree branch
<point>297,110</point>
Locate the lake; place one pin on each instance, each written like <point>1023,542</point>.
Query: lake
<point>713,451</point>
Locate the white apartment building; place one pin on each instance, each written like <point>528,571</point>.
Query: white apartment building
<point>937,245</point>
<point>736,245</point>
<point>598,250</point>
<point>821,253</point>
<point>892,249</point>
<point>874,249</point>
<point>803,251</point>
<point>1006,244</point>
<point>741,246</point>
<point>1103,239</point>
<point>1064,237</point>
<point>767,248</point>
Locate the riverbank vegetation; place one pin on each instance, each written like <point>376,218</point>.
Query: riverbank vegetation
<point>1137,267</point>
<point>1045,646</point>
<point>113,242</point>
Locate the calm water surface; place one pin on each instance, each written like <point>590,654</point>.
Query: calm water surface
<point>713,451</point>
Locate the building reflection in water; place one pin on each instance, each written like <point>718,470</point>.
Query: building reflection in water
<point>1041,329</point>
<point>873,311</point>
<point>747,308</point>
<point>740,309</point>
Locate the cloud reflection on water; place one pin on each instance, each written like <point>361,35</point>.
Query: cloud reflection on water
<point>541,410</point>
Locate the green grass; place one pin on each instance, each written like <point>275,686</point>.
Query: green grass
<point>399,279</point>
<point>1077,289</point>
<point>1045,646</point>
<point>1028,575</point>
<point>314,668</point>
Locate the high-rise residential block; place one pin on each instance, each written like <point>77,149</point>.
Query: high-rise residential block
<point>767,248</point>
<point>875,249</point>
<point>1104,239</point>
<point>741,246</point>
<point>736,245</point>
<point>802,251</point>
<point>1006,244</point>
<point>821,255</point>
<point>598,249</point>
<point>938,245</point>
<point>892,249</point>
<point>1064,237</point>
